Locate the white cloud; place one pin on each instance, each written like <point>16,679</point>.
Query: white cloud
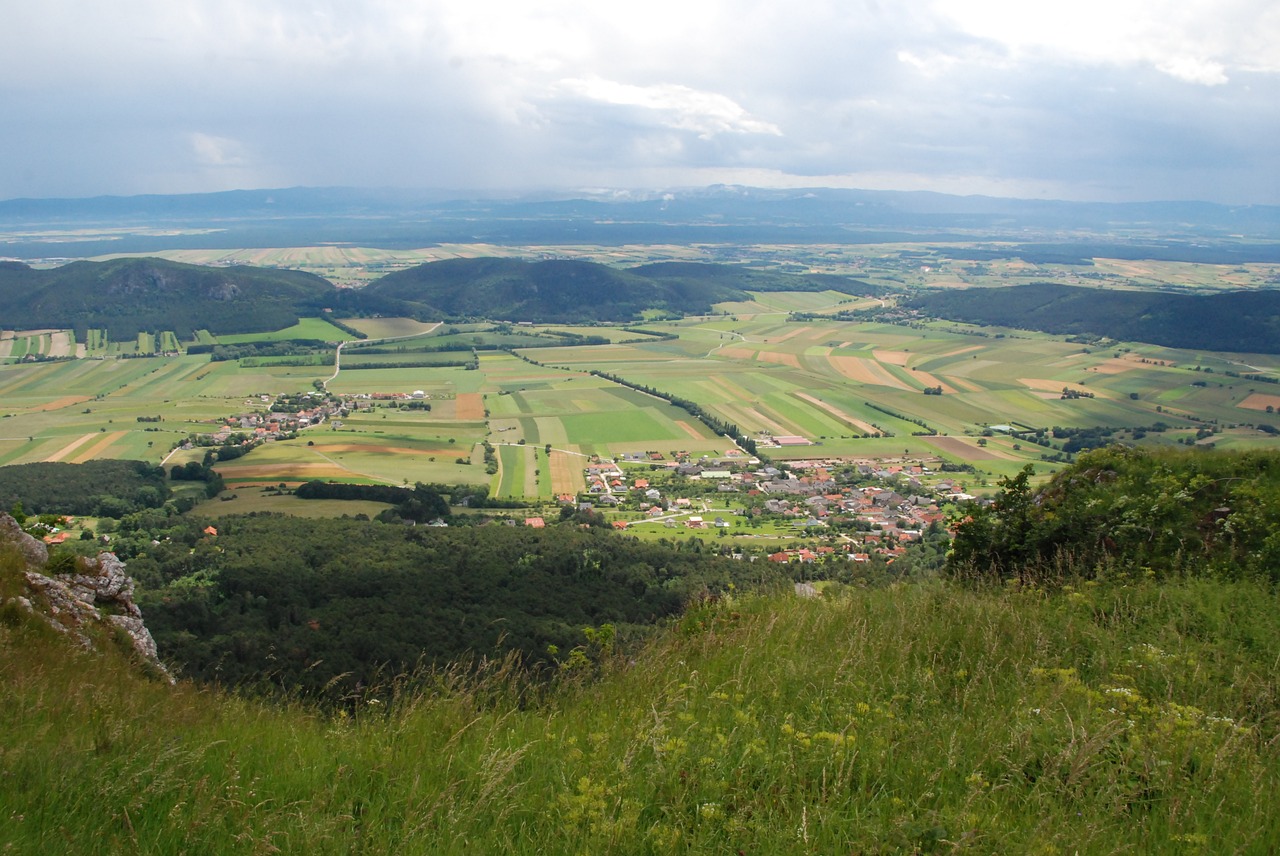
<point>214,151</point>
<point>1196,41</point>
<point>675,106</point>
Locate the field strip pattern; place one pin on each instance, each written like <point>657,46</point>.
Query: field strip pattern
<point>98,447</point>
<point>866,371</point>
<point>734,391</point>
<point>791,334</point>
<point>66,401</point>
<point>933,380</point>
<point>71,447</point>
<point>689,429</point>
<point>864,427</point>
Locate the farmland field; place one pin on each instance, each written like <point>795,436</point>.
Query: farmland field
<point>307,328</point>
<point>936,391</point>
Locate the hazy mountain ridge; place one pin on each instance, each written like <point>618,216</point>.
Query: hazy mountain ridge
<point>400,218</point>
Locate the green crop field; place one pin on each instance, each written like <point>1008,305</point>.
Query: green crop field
<point>307,328</point>
<point>850,391</point>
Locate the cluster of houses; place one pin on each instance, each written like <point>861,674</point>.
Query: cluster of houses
<point>282,417</point>
<point>881,508</point>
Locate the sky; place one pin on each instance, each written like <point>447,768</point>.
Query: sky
<point>1115,100</point>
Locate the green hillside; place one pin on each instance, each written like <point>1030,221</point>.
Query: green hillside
<point>922,719</point>
<point>131,296</point>
<point>1131,703</point>
<point>562,291</point>
<point>1239,321</point>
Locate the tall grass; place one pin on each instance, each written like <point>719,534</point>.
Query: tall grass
<point>1112,718</point>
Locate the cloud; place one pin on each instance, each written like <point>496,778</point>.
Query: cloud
<point>1195,41</point>
<point>1094,98</point>
<point>675,106</point>
<point>217,151</point>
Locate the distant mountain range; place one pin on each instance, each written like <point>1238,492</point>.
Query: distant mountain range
<point>1240,321</point>
<point>393,218</point>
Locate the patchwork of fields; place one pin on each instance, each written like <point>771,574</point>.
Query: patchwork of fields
<point>826,388</point>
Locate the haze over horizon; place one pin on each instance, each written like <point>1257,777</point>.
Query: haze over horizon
<point>1130,100</point>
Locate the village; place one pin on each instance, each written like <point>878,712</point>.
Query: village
<point>821,508</point>
<point>801,511</point>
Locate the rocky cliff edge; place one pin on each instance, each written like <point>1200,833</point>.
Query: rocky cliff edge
<point>97,595</point>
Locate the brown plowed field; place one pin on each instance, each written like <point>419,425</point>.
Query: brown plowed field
<point>897,358</point>
<point>1260,401</point>
<point>566,473</point>
<point>398,450</point>
<point>781,358</point>
<point>469,407</point>
<point>66,401</point>
<point>306,471</point>
<point>968,450</point>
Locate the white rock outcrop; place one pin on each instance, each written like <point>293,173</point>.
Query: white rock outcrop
<point>99,593</point>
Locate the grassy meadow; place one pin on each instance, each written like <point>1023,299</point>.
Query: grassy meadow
<point>1116,718</point>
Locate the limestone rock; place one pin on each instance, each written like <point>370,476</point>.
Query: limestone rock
<point>32,549</point>
<point>98,594</point>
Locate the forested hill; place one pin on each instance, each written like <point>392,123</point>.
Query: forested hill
<point>1246,321</point>
<point>128,296</point>
<point>574,291</point>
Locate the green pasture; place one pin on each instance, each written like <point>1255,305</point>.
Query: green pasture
<point>635,426</point>
<point>251,500</point>
<point>356,360</point>
<point>293,462</point>
<point>307,328</point>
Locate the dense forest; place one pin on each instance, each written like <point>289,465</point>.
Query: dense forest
<point>328,606</point>
<point>129,296</point>
<point>562,291</point>
<point>1163,513</point>
<point>102,488</point>
<point>1239,321</point>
